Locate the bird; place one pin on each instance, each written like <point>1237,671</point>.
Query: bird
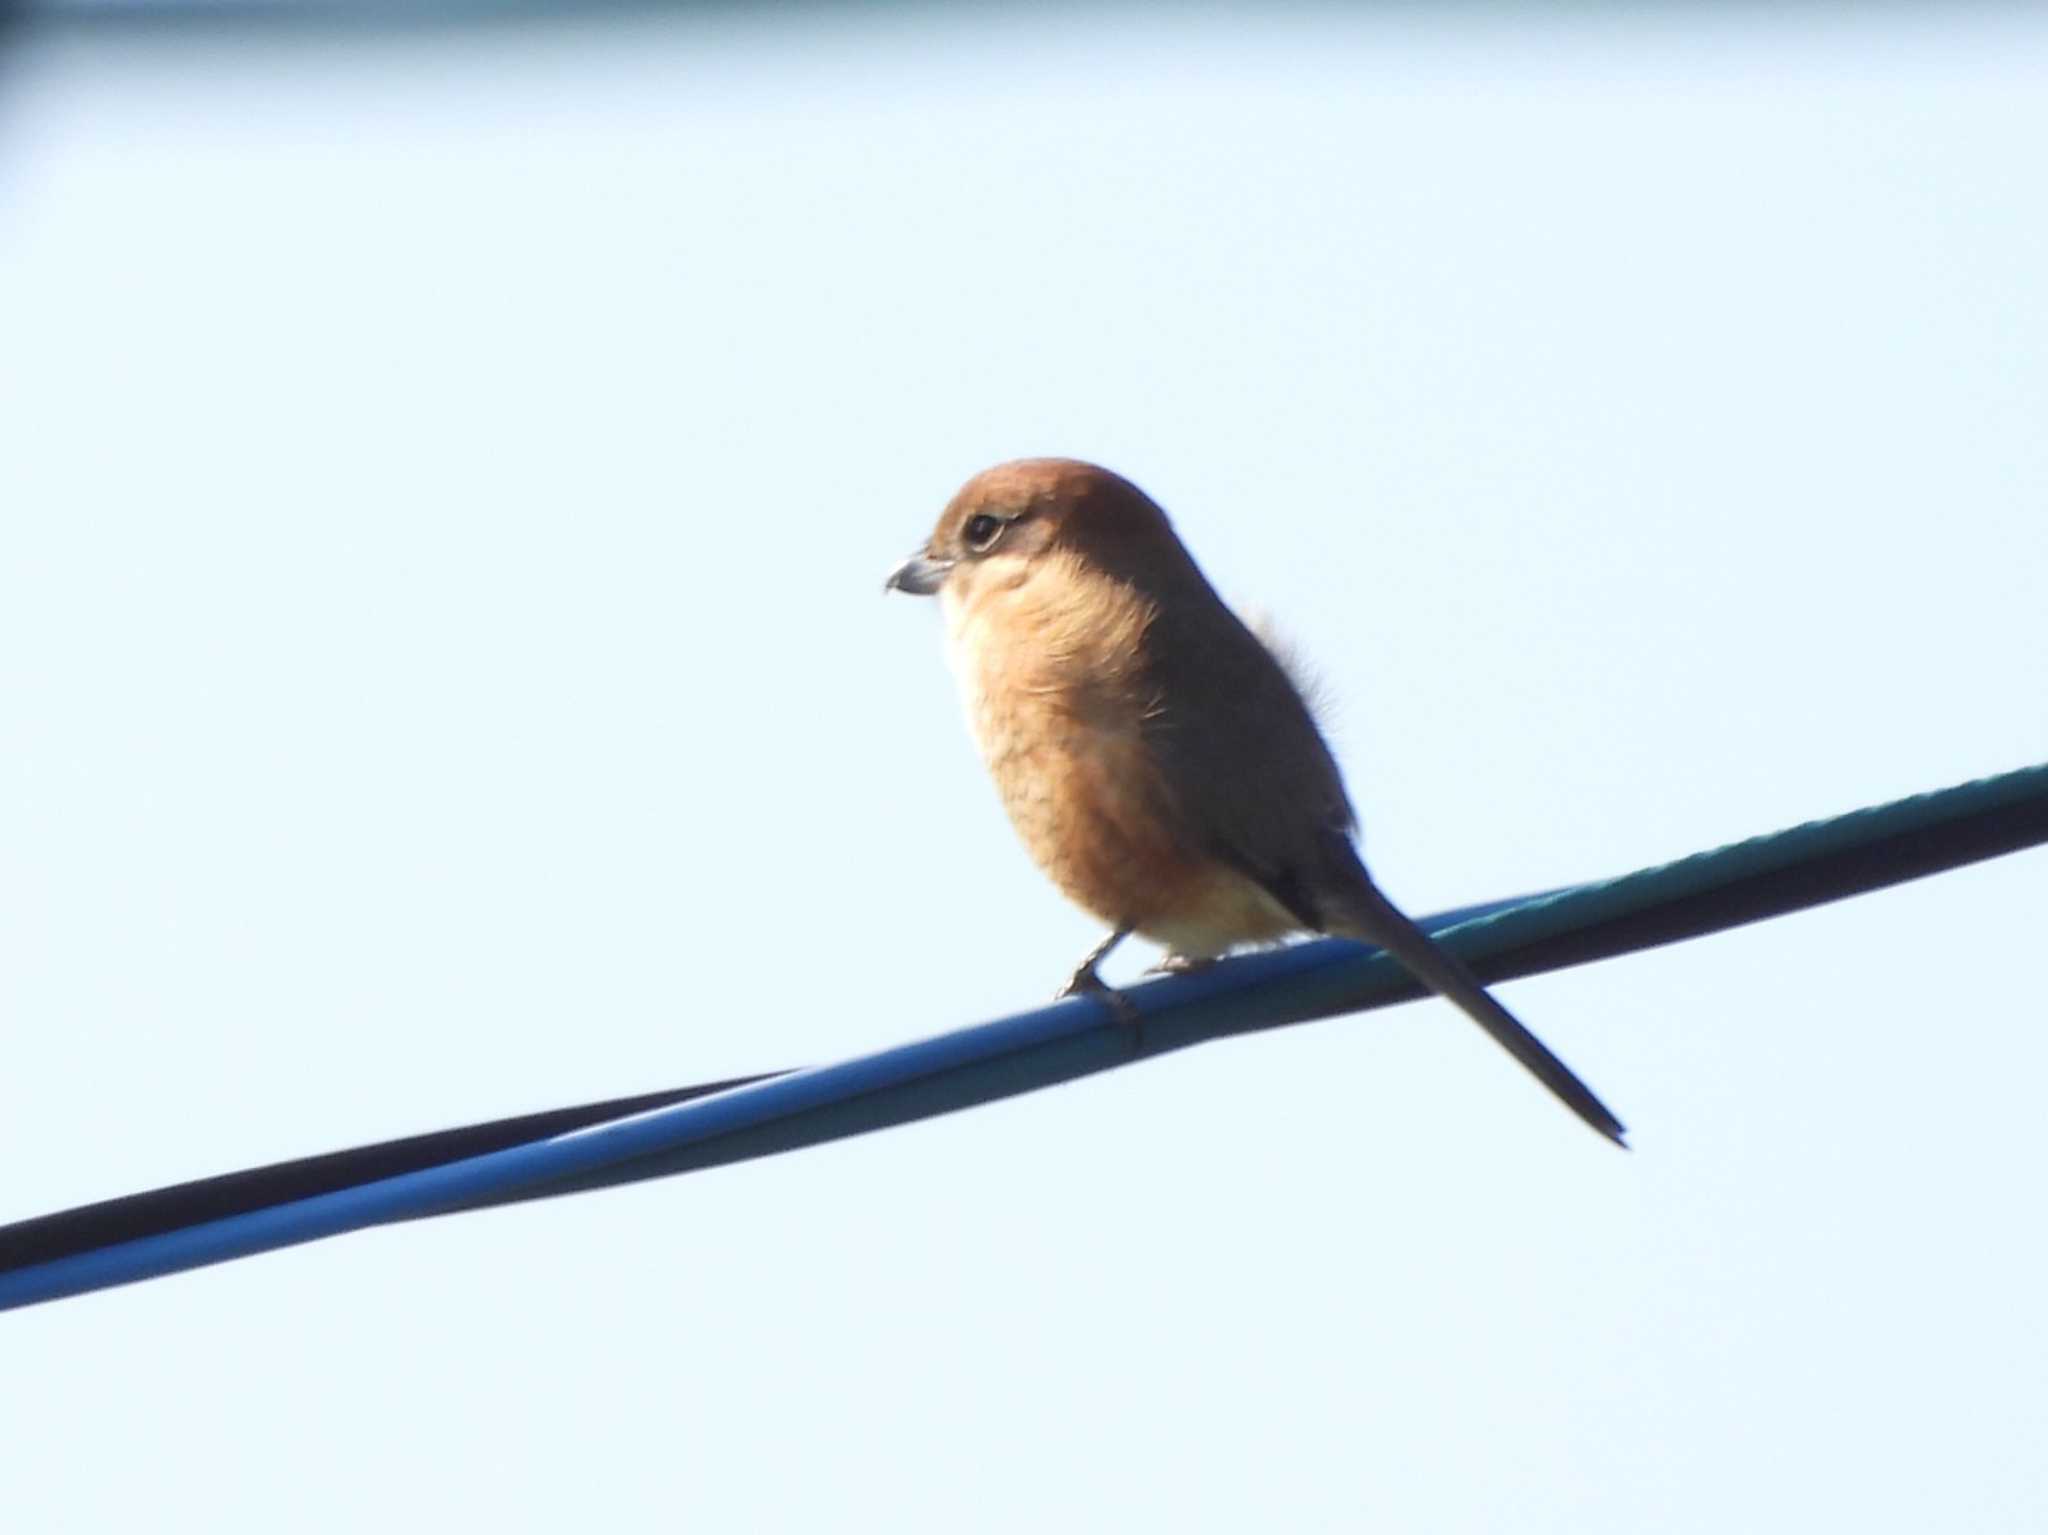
<point>1157,760</point>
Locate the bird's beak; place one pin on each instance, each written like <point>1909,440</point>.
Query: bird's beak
<point>920,575</point>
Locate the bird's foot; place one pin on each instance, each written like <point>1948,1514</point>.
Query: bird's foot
<point>1184,964</point>
<point>1085,982</point>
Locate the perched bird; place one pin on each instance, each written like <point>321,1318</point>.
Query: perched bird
<point>1158,762</point>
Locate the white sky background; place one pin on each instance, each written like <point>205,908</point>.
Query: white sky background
<point>443,673</point>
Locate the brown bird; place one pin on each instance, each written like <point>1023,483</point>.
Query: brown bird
<point>1159,763</point>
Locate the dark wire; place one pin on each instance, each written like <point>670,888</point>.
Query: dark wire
<point>658,1134</point>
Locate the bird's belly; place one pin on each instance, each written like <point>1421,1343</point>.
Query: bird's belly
<point>1216,912</point>
<point>1086,801</point>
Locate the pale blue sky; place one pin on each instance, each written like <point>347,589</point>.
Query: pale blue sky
<point>443,673</point>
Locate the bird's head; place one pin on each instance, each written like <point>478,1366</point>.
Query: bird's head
<point>1009,519</point>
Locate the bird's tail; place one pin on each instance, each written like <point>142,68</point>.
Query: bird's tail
<point>1358,910</point>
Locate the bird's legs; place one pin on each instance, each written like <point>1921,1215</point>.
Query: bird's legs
<point>1086,982</point>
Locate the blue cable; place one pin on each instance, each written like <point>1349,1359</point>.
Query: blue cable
<point>46,1258</point>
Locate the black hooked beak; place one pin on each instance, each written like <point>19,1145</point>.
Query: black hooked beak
<point>920,575</point>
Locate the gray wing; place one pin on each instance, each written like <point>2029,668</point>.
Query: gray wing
<point>1253,782</point>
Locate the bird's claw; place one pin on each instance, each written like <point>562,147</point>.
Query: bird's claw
<point>1086,983</point>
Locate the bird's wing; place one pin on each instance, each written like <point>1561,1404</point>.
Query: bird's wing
<point>1251,779</point>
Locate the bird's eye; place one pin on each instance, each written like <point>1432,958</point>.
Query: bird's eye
<point>982,531</point>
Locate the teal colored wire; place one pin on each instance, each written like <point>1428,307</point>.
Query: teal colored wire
<point>141,1236</point>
